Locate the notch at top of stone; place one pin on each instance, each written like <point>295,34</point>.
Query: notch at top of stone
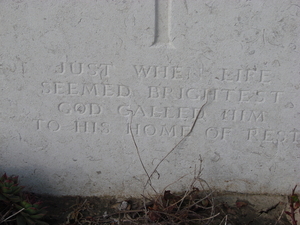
<point>162,24</point>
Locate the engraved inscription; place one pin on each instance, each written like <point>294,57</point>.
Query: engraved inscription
<point>8,67</point>
<point>100,70</point>
<point>163,72</point>
<point>79,108</point>
<point>139,129</point>
<point>51,125</point>
<point>235,91</point>
<point>88,127</point>
<point>92,127</point>
<point>273,136</point>
<point>246,76</point>
<point>88,89</point>
<point>160,112</point>
<point>215,133</point>
<point>250,96</point>
<point>243,115</point>
<point>161,92</point>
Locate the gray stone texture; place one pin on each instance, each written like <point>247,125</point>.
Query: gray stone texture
<point>74,75</point>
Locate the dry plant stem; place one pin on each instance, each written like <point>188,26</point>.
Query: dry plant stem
<point>279,218</point>
<point>168,214</point>
<point>208,187</point>
<point>200,182</point>
<point>125,211</point>
<point>292,215</point>
<point>200,169</point>
<point>192,128</point>
<point>225,218</point>
<point>190,206</point>
<point>138,152</point>
<point>209,218</point>
<point>187,193</point>
<point>3,216</point>
<point>174,182</point>
<point>13,215</point>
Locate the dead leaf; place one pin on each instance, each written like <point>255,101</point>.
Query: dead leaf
<point>153,213</point>
<point>154,216</point>
<point>240,204</point>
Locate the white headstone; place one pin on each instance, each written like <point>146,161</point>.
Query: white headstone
<point>76,75</point>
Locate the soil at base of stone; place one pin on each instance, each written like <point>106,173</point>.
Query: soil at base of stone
<point>233,209</point>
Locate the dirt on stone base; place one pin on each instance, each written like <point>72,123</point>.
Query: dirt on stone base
<point>228,209</point>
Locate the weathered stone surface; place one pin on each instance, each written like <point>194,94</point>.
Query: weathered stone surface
<point>74,76</point>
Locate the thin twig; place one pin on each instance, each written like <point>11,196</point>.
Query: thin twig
<point>292,213</point>
<point>194,123</point>
<point>279,218</point>
<point>159,201</point>
<point>13,215</point>
<point>7,212</point>
<point>174,182</point>
<point>208,218</point>
<point>187,193</point>
<point>225,217</point>
<point>138,152</point>
<point>211,199</point>
<point>190,206</point>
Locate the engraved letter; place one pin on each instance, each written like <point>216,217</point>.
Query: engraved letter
<point>85,126</point>
<point>89,90</point>
<point>137,128</point>
<point>165,131</point>
<point>244,96</point>
<point>257,118</point>
<point>92,69</point>
<point>47,87</point>
<point>105,68</point>
<point>228,113</point>
<point>142,71</point>
<point>108,90</point>
<point>74,70</point>
<point>80,108</point>
<point>124,110</point>
<point>185,130</point>
<point>276,95</point>
<point>192,94</point>
<point>177,73</point>
<point>72,88</point>
<point>226,76</point>
<point>53,125</point>
<point>295,134</point>
<point>123,91</point>
<point>95,109</point>
<point>64,108</point>
<point>39,124</point>
<point>212,133</point>
<point>163,71</point>
<point>61,68</point>
<point>149,130</point>
<point>225,132</point>
<point>268,135</point>
<point>105,128</point>
<point>58,88</point>
<point>153,92</point>
<point>265,76</point>
<point>252,133</point>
